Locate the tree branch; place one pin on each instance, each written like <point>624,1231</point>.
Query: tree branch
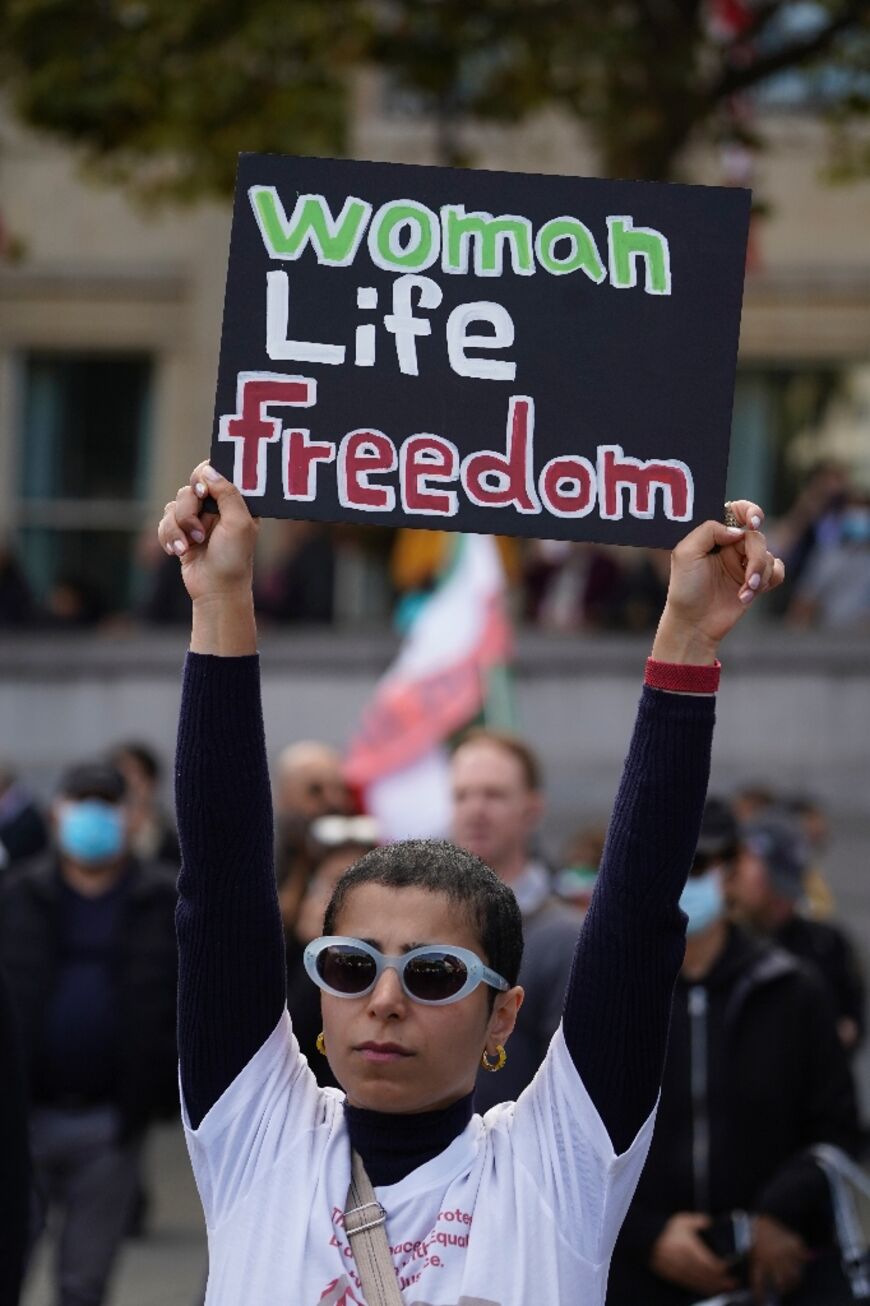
<point>789,56</point>
<point>761,16</point>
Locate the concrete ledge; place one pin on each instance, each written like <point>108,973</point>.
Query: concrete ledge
<point>793,711</point>
<point>162,284</point>
<point>359,652</point>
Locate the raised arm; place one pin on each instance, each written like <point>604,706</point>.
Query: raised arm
<point>617,1007</point>
<point>231,955</point>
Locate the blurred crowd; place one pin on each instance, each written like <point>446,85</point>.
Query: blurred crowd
<point>824,538</point>
<point>768,1015</point>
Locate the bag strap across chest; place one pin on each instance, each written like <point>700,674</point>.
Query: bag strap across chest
<point>365,1225</point>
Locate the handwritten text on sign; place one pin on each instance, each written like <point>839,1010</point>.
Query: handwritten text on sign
<point>368,305</point>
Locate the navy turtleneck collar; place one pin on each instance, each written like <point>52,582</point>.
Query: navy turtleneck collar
<point>392,1145</point>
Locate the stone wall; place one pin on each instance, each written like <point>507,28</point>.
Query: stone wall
<point>794,710</point>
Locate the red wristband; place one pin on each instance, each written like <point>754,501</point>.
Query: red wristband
<point>679,678</point>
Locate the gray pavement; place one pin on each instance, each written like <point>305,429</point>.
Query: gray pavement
<point>167,1268</point>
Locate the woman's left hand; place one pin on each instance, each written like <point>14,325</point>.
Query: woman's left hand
<point>716,574</point>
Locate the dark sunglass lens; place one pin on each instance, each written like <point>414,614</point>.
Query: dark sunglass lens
<point>435,976</point>
<point>347,970</point>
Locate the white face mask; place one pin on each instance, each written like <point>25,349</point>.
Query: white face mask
<point>703,900</point>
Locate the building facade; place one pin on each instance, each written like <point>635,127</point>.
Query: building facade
<point>110,320</point>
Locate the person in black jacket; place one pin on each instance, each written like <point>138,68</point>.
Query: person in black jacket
<point>755,1075</point>
<point>765,893</point>
<point>87,941</point>
<point>15,1166</point>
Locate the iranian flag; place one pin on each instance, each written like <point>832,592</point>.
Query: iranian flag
<point>451,670</point>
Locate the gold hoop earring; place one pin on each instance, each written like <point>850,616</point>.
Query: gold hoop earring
<point>320,1044</point>
<point>501,1058</point>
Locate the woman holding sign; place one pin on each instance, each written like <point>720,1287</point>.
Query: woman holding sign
<point>418,967</point>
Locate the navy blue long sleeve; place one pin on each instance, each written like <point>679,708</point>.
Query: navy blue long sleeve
<point>232,978</point>
<point>231,975</point>
<point>631,947</point>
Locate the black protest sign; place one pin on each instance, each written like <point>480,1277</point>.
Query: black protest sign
<point>479,351</point>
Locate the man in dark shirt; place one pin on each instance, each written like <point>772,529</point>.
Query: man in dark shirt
<point>87,939</point>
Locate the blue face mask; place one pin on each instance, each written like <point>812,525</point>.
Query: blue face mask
<point>855,525</point>
<point>702,900</point>
<point>91,831</point>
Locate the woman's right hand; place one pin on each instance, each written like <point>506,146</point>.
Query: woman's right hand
<point>216,551</point>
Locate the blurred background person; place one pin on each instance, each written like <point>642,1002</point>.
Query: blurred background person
<point>751,800</point>
<point>811,524</point>
<point>755,1074</point>
<point>152,837</point>
<point>335,843</point>
<point>87,939</point>
<point>754,800</point>
<point>580,861</point>
<point>15,1166</point>
<point>298,585</point>
<point>308,783</point>
<point>17,607</point>
<point>834,590</point>
<point>766,894</point>
<point>23,830</point>
<point>816,829</point>
<point>569,586</point>
<point>498,802</point>
<point>151,830</point>
<point>73,603</point>
<point>162,598</point>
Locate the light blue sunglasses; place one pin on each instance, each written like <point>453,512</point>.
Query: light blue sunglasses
<point>434,974</point>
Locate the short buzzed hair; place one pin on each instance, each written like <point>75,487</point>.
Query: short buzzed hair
<point>530,763</point>
<point>441,867</point>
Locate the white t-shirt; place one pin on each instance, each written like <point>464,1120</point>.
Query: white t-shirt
<point>522,1209</point>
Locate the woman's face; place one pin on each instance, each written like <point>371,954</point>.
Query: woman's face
<point>388,1052</point>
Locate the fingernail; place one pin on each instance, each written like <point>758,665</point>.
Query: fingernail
<point>170,550</point>
<point>210,474</point>
<point>755,522</point>
<point>200,489</point>
<point>753,582</point>
<point>735,530</point>
<point>199,536</point>
<point>179,546</point>
<point>746,596</point>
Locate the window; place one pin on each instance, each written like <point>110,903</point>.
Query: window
<point>83,448</point>
<point>788,419</point>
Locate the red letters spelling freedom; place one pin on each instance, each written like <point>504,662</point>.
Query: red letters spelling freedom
<point>371,469</point>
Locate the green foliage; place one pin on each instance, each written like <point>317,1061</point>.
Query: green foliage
<point>646,78</point>
<point>163,94</point>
